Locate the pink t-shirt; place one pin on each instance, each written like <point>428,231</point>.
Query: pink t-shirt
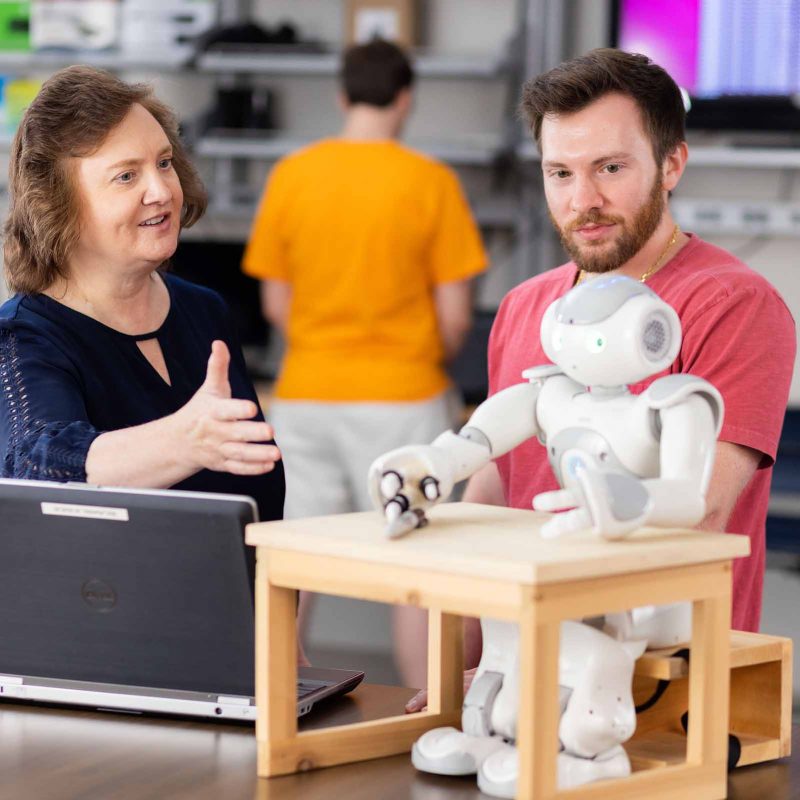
<point>737,334</point>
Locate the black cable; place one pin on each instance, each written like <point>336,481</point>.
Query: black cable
<point>662,684</point>
<point>734,744</point>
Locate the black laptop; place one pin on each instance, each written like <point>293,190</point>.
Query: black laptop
<point>133,600</point>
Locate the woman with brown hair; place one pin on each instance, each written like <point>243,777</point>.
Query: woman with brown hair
<point>105,374</point>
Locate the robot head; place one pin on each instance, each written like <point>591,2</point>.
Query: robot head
<point>611,331</point>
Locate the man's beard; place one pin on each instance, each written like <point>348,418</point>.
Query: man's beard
<point>629,242</point>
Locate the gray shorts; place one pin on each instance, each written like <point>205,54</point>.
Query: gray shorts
<point>328,447</point>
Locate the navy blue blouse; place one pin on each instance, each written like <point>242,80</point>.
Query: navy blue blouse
<point>65,378</point>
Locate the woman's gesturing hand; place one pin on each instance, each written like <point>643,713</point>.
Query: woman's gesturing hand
<point>217,432</point>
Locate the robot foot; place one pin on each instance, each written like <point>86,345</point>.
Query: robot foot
<point>497,775</point>
<point>575,771</point>
<point>448,751</point>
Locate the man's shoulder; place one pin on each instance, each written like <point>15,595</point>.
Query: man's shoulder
<point>523,307</point>
<point>297,159</point>
<point>326,153</point>
<point>706,258</point>
<point>422,160</point>
<point>705,271</point>
<point>542,288</point>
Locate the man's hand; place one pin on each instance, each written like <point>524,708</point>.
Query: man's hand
<point>214,431</point>
<point>419,702</point>
<point>404,483</point>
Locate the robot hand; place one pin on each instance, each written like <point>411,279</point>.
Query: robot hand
<point>404,483</point>
<point>608,504</point>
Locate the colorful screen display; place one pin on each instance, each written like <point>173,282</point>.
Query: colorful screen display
<point>714,48</point>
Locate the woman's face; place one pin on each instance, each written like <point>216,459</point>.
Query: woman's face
<point>130,196</point>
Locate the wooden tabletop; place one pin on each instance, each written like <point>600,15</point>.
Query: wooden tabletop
<point>493,542</point>
<point>53,754</point>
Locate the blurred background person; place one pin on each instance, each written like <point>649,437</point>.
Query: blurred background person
<point>366,250</point>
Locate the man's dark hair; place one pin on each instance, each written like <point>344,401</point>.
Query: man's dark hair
<point>374,73</point>
<point>575,84</point>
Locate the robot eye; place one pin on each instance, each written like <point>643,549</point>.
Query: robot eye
<point>558,340</point>
<point>595,342</point>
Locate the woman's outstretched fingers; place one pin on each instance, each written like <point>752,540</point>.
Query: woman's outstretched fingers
<point>250,453</point>
<point>231,410</point>
<point>248,431</point>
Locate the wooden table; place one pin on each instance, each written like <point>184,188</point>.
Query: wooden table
<point>475,560</point>
<point>51,754</point>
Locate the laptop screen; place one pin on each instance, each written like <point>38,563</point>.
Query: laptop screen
<point>140,588</point>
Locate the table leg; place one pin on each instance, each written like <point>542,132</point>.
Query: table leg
<point>537,739</point>
<point>276,664</point>
<point>445,661</point>
<point>709,680</point>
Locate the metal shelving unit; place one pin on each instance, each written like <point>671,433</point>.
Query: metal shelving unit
<point>744,157</point>
<point>176,59</point>
<point>263,61</point>
<point>476,150</point>
<point>230,151</point>
<point>704,155</point>
<point>233,214</point>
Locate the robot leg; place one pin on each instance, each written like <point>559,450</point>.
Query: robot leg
<point>661,626</point>
<point>447,751</point>
<point>489,711</point>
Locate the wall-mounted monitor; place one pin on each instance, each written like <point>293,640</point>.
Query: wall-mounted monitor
<point>739,60</point>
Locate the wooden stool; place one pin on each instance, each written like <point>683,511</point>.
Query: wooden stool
<point>476,560</point>
<point>760,702</point>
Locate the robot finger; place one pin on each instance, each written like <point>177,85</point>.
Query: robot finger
<point>556,500</point>
<point>429,487</point>
<point>391,483</point>
<point>396,507</point>
<point>569,522</point>
<point>405,523</point>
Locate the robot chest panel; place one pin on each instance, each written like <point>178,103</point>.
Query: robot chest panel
<point>614,434</point>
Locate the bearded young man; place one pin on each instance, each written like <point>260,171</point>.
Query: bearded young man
<point>610,129</point>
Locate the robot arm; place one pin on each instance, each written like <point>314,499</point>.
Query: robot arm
<point>688,442</point>
<point>405,482</point>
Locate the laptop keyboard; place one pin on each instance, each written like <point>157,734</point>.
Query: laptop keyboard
<point>305,688</point>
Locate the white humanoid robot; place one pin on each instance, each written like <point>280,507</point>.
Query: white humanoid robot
<point>622,460</point>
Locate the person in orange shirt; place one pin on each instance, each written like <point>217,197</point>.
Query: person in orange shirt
<point>366,250</point>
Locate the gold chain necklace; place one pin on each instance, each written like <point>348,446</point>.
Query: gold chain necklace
<point>656,264</point>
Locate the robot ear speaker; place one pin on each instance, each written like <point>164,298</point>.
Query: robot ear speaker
<point>656,336</point>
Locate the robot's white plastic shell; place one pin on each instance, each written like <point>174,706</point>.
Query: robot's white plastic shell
<point>508,418</point>
<point>639,338</point>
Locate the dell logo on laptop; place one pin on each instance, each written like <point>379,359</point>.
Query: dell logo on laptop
<point>98,595</point>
